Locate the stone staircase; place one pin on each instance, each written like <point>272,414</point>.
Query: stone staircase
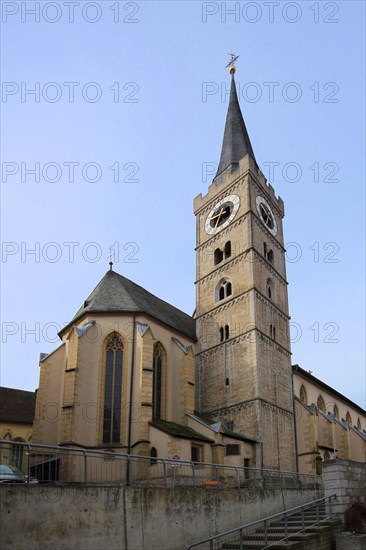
<point>308,532</point>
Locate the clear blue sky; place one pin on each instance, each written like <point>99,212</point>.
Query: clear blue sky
<point>302,85</point>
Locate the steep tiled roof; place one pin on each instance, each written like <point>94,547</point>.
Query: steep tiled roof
<point>117,294</point>
<point>17,405</point>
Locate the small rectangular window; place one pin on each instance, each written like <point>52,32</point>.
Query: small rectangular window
<point>232,450</point>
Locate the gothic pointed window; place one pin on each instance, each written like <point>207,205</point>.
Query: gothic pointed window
<point>359,424</point>
<point>321,403</point>
<point>303,395</point>
<point>335,411</point>
<point>113,390</point>
<point>349,418</point>
<point>158,372</point>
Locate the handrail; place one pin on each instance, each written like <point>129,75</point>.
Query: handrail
<point>110,454</point>
<point>233,476</point>
<point>268,519</point>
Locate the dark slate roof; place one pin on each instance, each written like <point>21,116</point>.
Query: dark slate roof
<point>236,143</point>
<point>178,430</point>
<point>17,405</point>
<point>117,294</point>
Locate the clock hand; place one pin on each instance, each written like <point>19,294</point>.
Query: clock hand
<point>213,217</point>
<point>219,218</point>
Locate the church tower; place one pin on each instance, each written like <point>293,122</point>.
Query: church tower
<point>243,361</point>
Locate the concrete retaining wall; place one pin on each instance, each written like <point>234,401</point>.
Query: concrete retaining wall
<point>130,518</point>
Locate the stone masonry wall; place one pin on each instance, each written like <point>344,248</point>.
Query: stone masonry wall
<point>347,479</point>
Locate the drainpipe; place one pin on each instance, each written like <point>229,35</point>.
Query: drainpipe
<point>130,405</point>
<point>294,409</point>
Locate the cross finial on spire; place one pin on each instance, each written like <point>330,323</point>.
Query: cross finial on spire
<point>236,143</point>
<point>231,63</point>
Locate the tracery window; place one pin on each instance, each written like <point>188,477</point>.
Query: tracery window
<point>321,404</point>
<point>158,360</point>
<point>224,290</point>
<point>303,395</point>
<point>113,390</point>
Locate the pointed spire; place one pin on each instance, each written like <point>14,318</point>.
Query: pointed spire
<point>236,143</point>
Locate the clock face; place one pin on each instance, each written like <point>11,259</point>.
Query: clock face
<point>266,215</point>
<point>222,214</point>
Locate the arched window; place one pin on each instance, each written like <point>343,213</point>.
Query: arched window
<point>359,424</point>
<point>272,332</point>
<point>223,290</point>
<point>267,253</point>
<point>269,289</point>
<point>113,390</point>
<point>349,418</point>
<point>158,366</point>
<point>221,334</point>
<point>336,411</point>
<point>227,250</point>
<point>320,403</point>
<point>218,256</point>
<point>227,332</point>
<point>153,456</point>
<point>303,395</point>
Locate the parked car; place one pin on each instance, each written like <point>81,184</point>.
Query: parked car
<point>11,474</point>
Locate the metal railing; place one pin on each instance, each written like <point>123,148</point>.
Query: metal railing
<point>58,464</point>
<point>273,529</point>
